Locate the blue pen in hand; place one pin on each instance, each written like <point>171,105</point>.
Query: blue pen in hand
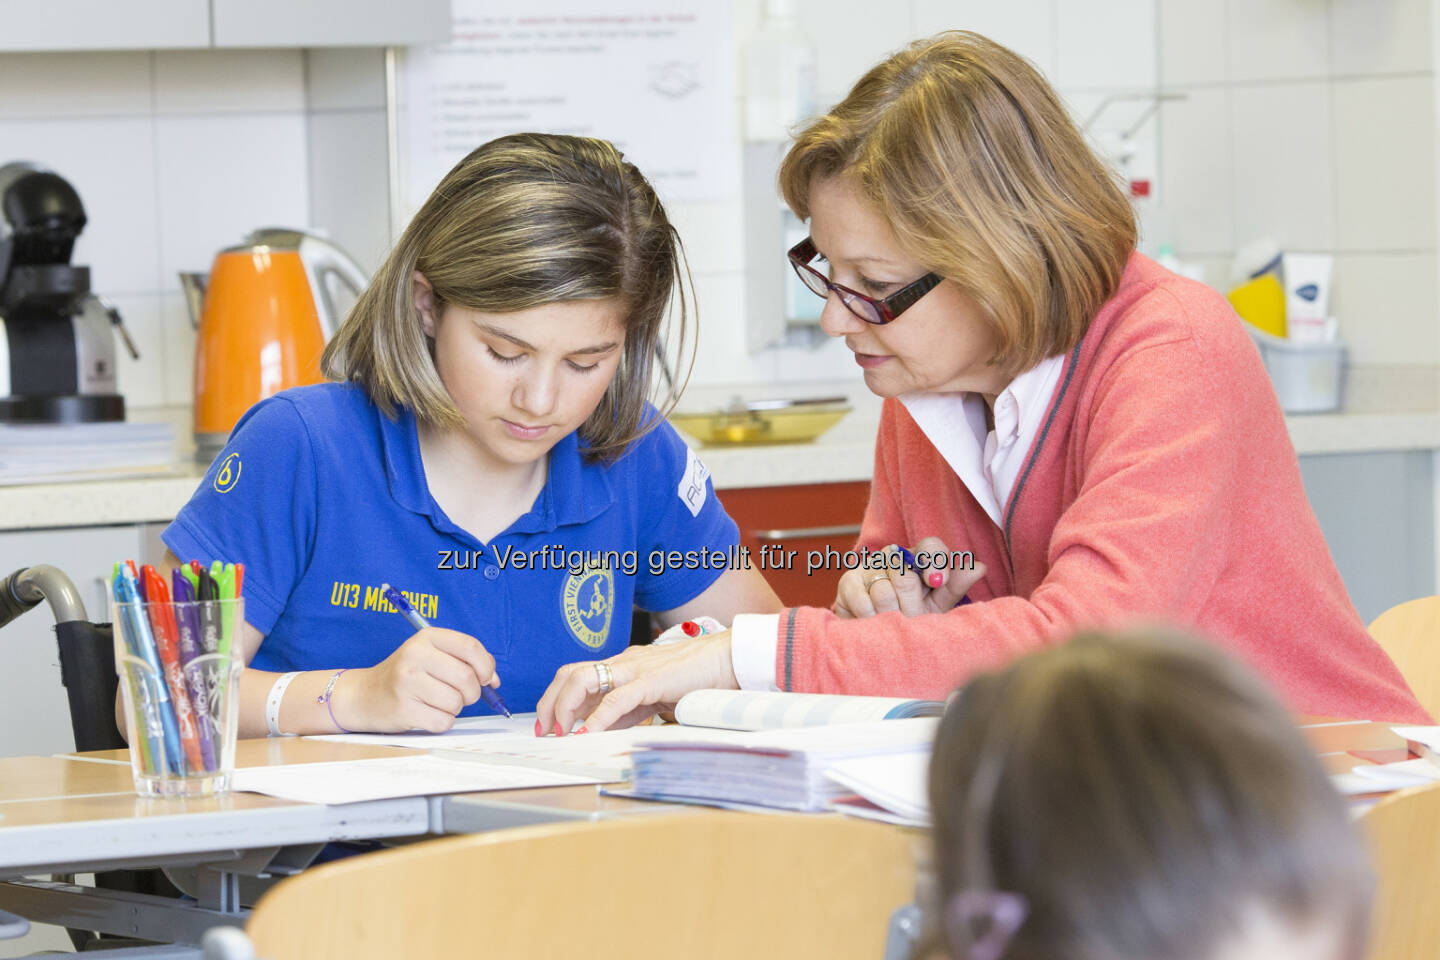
<point>911,565</point>
<point>491,698</point>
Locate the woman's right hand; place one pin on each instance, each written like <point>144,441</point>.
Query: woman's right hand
<point>423,685</point>
<point>866,591</point>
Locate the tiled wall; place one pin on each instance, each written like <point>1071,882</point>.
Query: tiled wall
<point>1309,120</point>
<point>1088,49</point>
<point>1312,121</point>
<point>175,154</point>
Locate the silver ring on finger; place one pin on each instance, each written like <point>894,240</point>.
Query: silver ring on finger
<point>873,576</point>
<point>606,678</point>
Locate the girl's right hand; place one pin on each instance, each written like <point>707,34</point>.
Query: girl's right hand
<point>864,592</point>
<point>421,686</point>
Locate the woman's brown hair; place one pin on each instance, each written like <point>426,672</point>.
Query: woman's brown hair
<point>1148,797</point>
<point>984,178</point>
<point>523,221</point>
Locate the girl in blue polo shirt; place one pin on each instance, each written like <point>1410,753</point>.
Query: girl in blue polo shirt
<point>488,450</point>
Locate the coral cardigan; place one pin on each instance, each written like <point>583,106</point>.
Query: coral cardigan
<point>1162,487</point>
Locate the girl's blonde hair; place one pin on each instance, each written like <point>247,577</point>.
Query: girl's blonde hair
<point>1147,796</point>
<point>984,179</point>
<point>523,221</point>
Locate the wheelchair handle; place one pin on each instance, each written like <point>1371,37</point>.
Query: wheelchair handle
<point>27,586</point>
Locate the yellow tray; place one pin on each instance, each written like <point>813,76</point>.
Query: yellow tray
<point>794,422</point>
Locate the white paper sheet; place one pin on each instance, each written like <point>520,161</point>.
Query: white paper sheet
<point>467,730</point>
<point>1398,776</point>
<point>604,754</point>
<point>352,781</point>
<point>1429,736</point>
<point>655,77</point>
<point>895,782</point>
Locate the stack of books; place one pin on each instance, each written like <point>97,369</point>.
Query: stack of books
<point>783,769</point>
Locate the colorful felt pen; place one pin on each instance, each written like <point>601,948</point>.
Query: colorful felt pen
<point>187,624</point>
<point>151,749</point>
<point>491,698</point>
<point>167,644</point>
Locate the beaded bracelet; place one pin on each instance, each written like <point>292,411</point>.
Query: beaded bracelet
<point>326,697</point>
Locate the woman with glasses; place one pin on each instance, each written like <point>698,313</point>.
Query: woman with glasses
<point>1097,433</point>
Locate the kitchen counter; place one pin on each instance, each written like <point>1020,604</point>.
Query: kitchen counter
<point>1385,411</point>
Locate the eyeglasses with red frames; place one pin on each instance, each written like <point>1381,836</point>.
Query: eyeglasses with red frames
<point>866,308</point>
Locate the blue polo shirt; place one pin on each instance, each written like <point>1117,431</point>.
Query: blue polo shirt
<point>323,498</point>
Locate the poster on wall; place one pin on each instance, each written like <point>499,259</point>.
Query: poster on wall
<point>653,76</point>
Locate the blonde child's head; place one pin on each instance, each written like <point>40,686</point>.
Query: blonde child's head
<point>1139,797</point>
<point>523,221</point>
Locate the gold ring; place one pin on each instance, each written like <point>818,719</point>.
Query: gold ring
<point>874,576</point>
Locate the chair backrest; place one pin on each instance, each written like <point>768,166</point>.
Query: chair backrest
<point>696,884</point>
<point>1410,634</point>
<point>1404,834</point>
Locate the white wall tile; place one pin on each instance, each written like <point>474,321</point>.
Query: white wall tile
<point>1192,42</point>
<point>229,81</point>
<point>111,164</point>
<point>1284,180</point>
<point>721,356</point>
<point>1196,177</point>
<point>141,382</point>
<point>50,86</point>
<point>1380,36</point>
<point>850,37</point>
<point>831,360</point>
<point>1105,43</point>
<point>713,234</point>
<point>1278,39</point>
<point>1385,163</point>
<point>1106,134</point>
<point>1025,26</point>
<point>179,340</point>
<point>1387,307</point>
<point>223,176</point>
<point>344,78</point>
<point>349,184</point>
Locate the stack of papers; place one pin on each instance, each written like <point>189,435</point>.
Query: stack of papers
<point>50,452</point>
<point>784,769</point>
<point>893,788</point>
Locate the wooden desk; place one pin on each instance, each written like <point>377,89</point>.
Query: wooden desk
<point>78,813</point>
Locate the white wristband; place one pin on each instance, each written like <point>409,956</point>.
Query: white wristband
<point>272,703</point>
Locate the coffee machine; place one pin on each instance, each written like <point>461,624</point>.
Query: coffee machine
<point>57,338</point>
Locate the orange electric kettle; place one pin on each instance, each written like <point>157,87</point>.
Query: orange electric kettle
<point>265,313</point>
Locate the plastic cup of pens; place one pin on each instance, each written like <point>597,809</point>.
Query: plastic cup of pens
<point>180,682</point>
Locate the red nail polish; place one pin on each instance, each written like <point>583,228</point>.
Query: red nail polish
<point>583,730</point>
<point>691,628</point>
<point>538,732</point>
<point>935,578</point>
<point>558,731</point>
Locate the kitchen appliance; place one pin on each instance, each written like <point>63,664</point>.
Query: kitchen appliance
<point>263,316</point>
<point>761,422</point>
<point>57,338</point>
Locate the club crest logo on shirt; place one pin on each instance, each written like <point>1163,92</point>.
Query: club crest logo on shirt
<point>228,475</point>
<point>588,602</point>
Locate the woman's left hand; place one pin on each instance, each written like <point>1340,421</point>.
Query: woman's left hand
<point>864,592</point>
<point>646,680</point>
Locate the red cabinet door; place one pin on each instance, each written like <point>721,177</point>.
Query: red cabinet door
<point>800,533</point>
